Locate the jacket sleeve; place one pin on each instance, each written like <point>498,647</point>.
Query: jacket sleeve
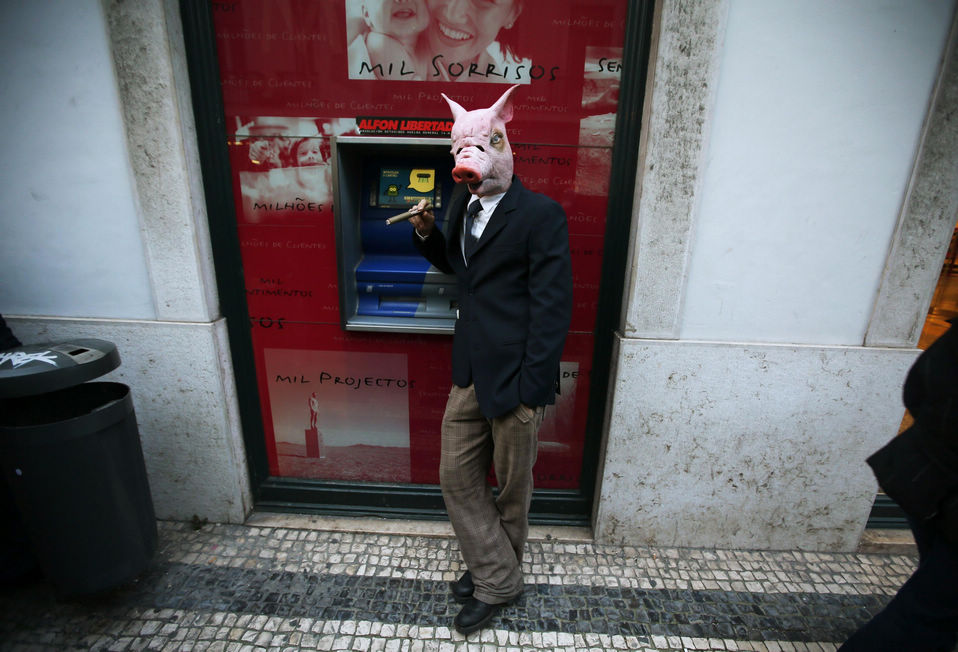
<point>919,467</point>
<point>7,339</point>
<point>931,393</point>
<point>550,306</point>
<point>433,249</point>
<point>911,477</point>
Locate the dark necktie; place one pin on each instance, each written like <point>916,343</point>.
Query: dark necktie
<point>471,240</point>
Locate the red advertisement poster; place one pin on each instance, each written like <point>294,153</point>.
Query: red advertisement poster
<point>296,74</point>
<point>340,415</point>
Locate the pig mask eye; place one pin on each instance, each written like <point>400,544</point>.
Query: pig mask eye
<point>496,140</point>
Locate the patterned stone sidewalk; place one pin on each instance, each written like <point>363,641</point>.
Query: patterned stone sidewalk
<point>241,587</point>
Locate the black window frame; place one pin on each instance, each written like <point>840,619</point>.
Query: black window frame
<point>270,493</point>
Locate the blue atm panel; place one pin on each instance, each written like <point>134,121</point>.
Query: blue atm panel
<point>385,284</point>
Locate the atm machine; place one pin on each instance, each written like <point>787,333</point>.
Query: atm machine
<point>384,283</point>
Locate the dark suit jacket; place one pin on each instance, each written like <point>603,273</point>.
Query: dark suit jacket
<point>7,339</point>
<point>515,299</point>
<point>919,467</point>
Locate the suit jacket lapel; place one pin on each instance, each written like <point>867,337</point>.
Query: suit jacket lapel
<point>454,230</point>
<point>500,217</point>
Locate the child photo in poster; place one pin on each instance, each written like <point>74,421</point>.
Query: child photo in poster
<point>288,176</point>
<point>385,47</point>
<point>435,40</point>
<point>340,415</point>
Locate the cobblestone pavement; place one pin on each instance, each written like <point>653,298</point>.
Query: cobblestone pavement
<point>242,587</point>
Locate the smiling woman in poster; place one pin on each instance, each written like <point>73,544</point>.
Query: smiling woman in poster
<point>435,40</point>
<point>472,40</point>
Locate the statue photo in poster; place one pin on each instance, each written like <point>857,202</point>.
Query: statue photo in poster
<point>356,425</point>
<point>435,40</point>
<point>314,437</point>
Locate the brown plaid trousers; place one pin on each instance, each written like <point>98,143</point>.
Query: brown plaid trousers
<point>492,531</point>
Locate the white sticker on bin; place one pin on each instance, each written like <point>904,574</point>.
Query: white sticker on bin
<point>19,358</point>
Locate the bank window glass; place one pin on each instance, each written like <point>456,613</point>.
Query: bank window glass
<point>298,74</point>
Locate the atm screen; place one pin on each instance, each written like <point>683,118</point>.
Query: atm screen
<point>402,187</point>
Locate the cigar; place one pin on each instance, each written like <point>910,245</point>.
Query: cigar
<point>408,214</point>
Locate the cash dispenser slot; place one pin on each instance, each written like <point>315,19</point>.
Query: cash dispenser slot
<point>384,283</point>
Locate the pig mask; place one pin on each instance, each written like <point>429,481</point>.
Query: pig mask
<point>480,148</point>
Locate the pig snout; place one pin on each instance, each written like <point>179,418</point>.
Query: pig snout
<point>469,165</point>
<point>466,174</point>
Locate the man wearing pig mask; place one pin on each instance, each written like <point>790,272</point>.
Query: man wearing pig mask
<point>509,249</point>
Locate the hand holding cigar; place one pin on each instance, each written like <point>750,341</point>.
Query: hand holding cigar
<point>420,208</point>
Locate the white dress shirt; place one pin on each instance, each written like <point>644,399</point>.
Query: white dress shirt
<point>488,203</point>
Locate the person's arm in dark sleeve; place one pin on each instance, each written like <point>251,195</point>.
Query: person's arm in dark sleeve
<point>550,307</point>
<point>931,391</point>
<point>428,239</point>
<point>433,249</point>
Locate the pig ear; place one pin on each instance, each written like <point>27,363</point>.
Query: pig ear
<point>456,108</point>
<point>503,106</point>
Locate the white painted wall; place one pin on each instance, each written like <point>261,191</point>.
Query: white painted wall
<point>70,242</point>
<point>781,173</point>
<point>817,118</point>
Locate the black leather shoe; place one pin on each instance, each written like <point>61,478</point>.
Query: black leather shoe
<point>462,588</point>
<point>475,615</point>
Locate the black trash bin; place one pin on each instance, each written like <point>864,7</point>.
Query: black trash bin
<point>71,456</point>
